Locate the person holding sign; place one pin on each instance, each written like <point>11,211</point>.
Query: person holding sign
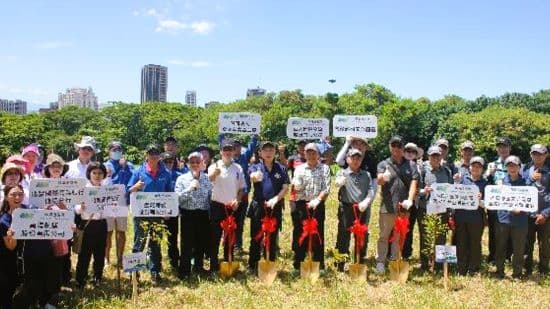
<point>194,191</point>
<point>469,223</point>
<point>355,188</point>
<point>149,177</point>
<point>511,224</point>
<point>312,183</point>
<point>13,197</point>
<point>228,182</point>
<point>94,227</point>
<point>399,180</point>
<point>433,172</point>
<point>538,175</point>
<point>270,181</point>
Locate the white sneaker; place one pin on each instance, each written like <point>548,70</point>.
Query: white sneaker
<point>380,269</point>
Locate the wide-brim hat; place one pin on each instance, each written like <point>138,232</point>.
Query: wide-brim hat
<point>54,158</point>
<point>87,141</point>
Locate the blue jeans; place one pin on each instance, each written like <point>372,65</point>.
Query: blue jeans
<point>140,236</point>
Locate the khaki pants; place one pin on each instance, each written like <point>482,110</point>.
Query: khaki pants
<point>386,223</point>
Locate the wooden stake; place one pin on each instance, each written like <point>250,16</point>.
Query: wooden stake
<point>134,288</point>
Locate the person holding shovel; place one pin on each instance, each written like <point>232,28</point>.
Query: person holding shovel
<point>355,197</point>
<point>398,178</point>
<point>312,184</point>
<point>270,181</point>
<point>228,183</point>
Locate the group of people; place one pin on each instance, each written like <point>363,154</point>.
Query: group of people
<point>254,180</point>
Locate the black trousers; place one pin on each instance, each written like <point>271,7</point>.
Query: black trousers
<point>257,213</point>
<point>345,221</point>
<point>173,252</point>
<point>217,214</point>
<point>468,247</point>
<point>240,215</point>
<point>195,237</point>
<point>37,284</point>
<point>93,243</point>
<point>8,281</point>
<point>492,218</point>
<point>317,248</point>
<point>408,245</point>
<point>540,234</point>
<point>296,224</point>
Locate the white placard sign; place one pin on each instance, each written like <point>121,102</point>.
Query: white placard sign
<point>239,123</point>
<point>355,125</point>
<point>108,200</point>
<point>523,198</point>
<point>455,196</point>
<point>445,254</point>
<point>48,191</point>
<point>154,204</point>
<point>134,262</point>
<point>307,128</point>
<point>42,224</point>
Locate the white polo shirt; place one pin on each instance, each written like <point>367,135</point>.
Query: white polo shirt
<point>228,183</point>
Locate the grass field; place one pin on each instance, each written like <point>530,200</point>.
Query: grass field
<point>332,290</point>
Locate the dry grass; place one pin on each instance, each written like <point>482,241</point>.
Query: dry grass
<point>332,290</point>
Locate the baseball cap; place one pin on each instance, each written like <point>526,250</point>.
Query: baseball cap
<point>411,146</point>
<point>396,139</point>
<point>152,149</point>
<point>504,141</point>
<point>227,143</point>
<point>512,159</point>
<point>354,152</point>
<point>312,146</point>
<point>267,144</point>
<point>434,150</point>
<point>194,154</point>
<point>477,159</point>
<point>467,144</point>
<point>442,142</point>
<point>539,148</point>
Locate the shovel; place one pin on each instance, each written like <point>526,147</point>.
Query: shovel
<point>229,267</point>
<point>399,269</point>
<point>267,269</point>
<point>309,269</point>
<point>358,271</point>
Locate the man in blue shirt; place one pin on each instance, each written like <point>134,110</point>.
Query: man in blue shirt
<point>151,176</point>
<point>537,174</point>
<point>242,157</point>
<point>270,180</point>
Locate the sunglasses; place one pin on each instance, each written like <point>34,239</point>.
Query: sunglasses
<point>396,145</point>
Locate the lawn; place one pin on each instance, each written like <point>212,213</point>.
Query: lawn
<point>333,289</point>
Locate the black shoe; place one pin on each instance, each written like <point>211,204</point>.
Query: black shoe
<point>340,266</point>
<point>96,281</point>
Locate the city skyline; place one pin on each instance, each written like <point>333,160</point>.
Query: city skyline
<point>221,48</point>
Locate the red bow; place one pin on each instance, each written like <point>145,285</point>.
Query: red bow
<point>229,226</point>
<point>359,231</point>
<point>401,228</point>
<point>309,229</point>
<point>269,225</point>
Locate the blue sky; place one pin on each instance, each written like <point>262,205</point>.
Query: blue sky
<point>221,48</point>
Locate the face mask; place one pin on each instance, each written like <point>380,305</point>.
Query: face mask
<point>116,155</point>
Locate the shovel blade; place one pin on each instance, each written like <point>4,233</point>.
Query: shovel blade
<point>403,271</point>
<point>227,269</point>
<point>309,270</point>
<point>267,271</point>
<point>358,272</point>
<point>394,270</point>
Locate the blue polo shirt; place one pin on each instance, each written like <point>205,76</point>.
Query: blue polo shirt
<point>121,174</point>
<point>543,186</point>
<point>471,216</point>
<point>507,217</point>
<point>272,183</point>
<point>161,183</point>
<point>174,174</point>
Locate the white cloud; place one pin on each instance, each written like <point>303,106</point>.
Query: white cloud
<point>52,45</point>
<point>202,27</point>
<point>170,25</point>
<point>193,64</point>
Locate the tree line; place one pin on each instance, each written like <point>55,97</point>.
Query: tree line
<point>525,118</point>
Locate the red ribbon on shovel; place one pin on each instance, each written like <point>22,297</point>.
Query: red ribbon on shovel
<point>229,226</point>
<point>401,227</point>
<point>358,230</point>
<point>309,229</point>
<point>269,225</point>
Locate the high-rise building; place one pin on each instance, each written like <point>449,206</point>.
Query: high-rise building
<point>255,92</point>
<point>191,97</point>
<point>78,96</point>
<point>53,107</point>
<point>16,107</point>
<point>154,83</point>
